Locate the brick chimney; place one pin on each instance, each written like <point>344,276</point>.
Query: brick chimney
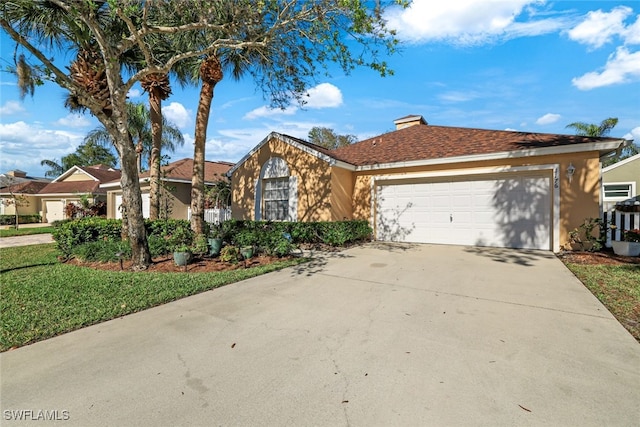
<point>405,122</point>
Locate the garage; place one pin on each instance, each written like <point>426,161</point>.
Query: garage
<point>511,210</point>
<point>145,205</point>
<point>54,210</point>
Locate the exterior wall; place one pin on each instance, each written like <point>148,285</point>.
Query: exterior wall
<point>77,176</point>
<point>577,200</point>
<point>629,172</point>
<point>29,205</point>
<point>176,199</point>
<point>341,194</point>
<point>314,182</point>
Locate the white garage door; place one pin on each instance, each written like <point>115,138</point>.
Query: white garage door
<point>512,211</point>
<point>145,205</point>
<point>55,210</point>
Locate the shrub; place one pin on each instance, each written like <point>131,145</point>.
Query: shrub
<point>71,233</point>
<point>102,251</point>
<point>229,253</point>
<point>22,219</point>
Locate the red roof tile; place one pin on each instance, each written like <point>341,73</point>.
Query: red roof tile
<point>28,187</point>
<point>183,170</point>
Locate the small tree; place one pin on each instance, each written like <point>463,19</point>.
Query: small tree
<point>327,138</point>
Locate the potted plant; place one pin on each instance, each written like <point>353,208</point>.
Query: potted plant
<point>630,246</point>
<point>216,237</point>
<point>182,254</point>
<point>246,252</point>
<point>181,239</point>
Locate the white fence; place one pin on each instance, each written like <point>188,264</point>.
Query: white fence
<point>622,221</point>
<point>213,216</point>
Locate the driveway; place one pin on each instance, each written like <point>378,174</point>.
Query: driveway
<point>379,335</point>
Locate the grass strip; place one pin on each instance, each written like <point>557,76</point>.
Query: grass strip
<point>617,287</point>
<point>10,232</point>
<point>41,297</point>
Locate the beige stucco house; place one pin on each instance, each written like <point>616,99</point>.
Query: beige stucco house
<point>175,188</point>
<point>431,184</point>
<point>71,187</point>
<point>620,181</point>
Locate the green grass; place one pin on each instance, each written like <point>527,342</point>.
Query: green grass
<point>25,231</point>
<point>41,297</point>
<point>617,287</point>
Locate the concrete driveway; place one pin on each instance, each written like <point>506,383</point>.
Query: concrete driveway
<point>379,335</point>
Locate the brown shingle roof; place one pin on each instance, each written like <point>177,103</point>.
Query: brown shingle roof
<point>183,170</point>
<point>101,173</point>
<point>72,187</point>
<point>421,142</point>
<point>28,187</point>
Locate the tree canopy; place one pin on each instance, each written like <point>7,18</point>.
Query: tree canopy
<point>118,43</point>
<point>88,154</point>
<point>327,138</point>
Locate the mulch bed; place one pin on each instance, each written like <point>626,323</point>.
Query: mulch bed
<point>167,265</point>
<point>597,258</point>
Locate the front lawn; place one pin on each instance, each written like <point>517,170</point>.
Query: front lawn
<point>616,285</point>
<point>10,232</point>
<point>41,297</point>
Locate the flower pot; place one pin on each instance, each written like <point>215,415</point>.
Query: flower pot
<point>181,258</point>
<point>246,252</point>
<point>626,248</point>
<point>214,246</point>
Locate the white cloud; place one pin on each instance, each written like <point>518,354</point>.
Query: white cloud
<point>177,114</point>
<point>134,93</point>
<point>74,121</point>
<point>25,145</point>
<point>634,135</point>
<point>632,33</point>
<point>11,107</point>
<point>458,96</point>
<point>265,111</point>
<point>600,27</point>
<point>548,118</point>
<point>325,95</point>
<point>621,67</point>
<point>469,22</point>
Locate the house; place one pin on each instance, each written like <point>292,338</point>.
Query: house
<point>70,187</point>
<point>17,183</point>
<point>620,182</point>
<point>175,188</point>
<point>431,184</point>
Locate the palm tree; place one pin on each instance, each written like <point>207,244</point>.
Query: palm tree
<point>140,130</point>
<point>159,89</point>
<point>210,74</point>
<point>593,130</point>
<point>55,168</point>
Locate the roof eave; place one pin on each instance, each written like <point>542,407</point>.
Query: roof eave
<point>602,147</point>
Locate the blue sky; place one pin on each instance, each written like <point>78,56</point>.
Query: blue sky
<point>532,66</point>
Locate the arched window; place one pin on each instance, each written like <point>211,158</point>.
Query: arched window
<point>276,192</point>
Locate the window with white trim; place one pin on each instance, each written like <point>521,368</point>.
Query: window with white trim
<point>275,199</point>
<point>276,196</point>
<point>618,191</point>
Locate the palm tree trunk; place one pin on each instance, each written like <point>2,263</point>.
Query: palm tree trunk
<point>132,196</point>
<point>155,115</point>
<point>197,181</point>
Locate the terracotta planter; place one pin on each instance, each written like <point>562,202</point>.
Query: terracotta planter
<point>626,248</point>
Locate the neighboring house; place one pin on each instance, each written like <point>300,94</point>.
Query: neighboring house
<point>620,182</point>
<point>175,188</point>
<point>25,193</point>
<point>431,184</point>
<point>71,187</point>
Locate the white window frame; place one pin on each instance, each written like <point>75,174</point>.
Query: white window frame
<point>276,167</point>
<point>631,193</point>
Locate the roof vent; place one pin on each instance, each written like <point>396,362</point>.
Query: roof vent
<point>405,122</point>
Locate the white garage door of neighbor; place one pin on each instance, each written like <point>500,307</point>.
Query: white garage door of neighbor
<point>55,210</point>
<point>145,205</point>
<point>513,211</point>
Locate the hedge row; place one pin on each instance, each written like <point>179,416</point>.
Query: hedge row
<point>103,236</point>
<point>22,219</point>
